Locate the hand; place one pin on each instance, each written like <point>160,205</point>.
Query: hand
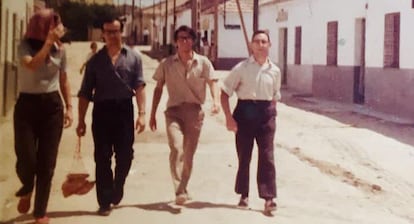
<point>231,124</point>
<point>55,34</point>
<point>81,129</point>
<point>153,123</point>
<point>140,124</point>
<point>68,118</point>
<point>215,109</point>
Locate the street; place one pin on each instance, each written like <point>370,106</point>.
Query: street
<point>335,164</point>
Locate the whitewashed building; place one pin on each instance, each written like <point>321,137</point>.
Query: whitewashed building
<point>352,51</point>
<point>14,16</point>
<point>231,42</point>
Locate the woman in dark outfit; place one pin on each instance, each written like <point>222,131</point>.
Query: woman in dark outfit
<point>39,114</point>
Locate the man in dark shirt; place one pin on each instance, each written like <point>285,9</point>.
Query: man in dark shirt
<point>112,77</point>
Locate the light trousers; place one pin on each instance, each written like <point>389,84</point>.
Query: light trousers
<point>183,125</point>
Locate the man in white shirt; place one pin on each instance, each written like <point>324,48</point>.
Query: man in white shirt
<point>256,81</point>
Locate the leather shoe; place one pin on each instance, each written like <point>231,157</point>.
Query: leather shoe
<point>104,211</point>
<point>244,202</point>
<point>270,206</point>
<point>24,204</point>
<point>42,220</point>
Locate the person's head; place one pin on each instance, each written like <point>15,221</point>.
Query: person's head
<point>185,38</point>
<point>112,29</point>
<point>260,43</point>
<point>94,46</point>
<point>40,24</point>
<point>205,41</point>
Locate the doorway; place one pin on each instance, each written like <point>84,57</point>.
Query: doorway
<point>359,75</point>
<point>283,54</point>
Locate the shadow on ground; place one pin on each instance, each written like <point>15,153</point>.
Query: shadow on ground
<point>403,132</point>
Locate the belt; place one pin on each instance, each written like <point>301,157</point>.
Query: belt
<point>255,101</point>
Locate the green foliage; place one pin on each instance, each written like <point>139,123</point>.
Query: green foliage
<point>78,17</point>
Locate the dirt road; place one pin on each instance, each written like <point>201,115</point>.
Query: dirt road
<point>335,164</point>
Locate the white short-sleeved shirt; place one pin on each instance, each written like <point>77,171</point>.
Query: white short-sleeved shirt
<point>252,81</point>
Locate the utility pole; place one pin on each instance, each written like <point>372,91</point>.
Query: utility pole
<point>140,22</point>
<point>243,26</point>
<point>154,33</point>
<point>214,48</point>
<point>134,28</point>
<point>164,35</point>
<point>175,16</point>
<point>195,21</point>
<point>255,15</point>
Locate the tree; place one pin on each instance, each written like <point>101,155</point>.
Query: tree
<point>79,17</point>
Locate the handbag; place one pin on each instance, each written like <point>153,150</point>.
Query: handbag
<point>76,182</point>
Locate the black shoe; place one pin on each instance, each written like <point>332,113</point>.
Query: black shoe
<point>104,211</point>
<point>244,202</point>
<point>117,197</point>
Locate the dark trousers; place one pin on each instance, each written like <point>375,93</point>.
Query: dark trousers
<point>113,132</point>
<point>256,120</point>
<point>38,124</point>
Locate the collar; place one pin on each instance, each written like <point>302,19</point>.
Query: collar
<point>196,57</point>
<point>124,49</point>
<point>253,61</point>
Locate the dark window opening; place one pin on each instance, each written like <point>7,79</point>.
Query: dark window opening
<point>392,40</point>
<point>298,45</point>
<point>332,44</point>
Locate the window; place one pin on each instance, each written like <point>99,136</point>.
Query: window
<point>298,45</point>
<point>332,44</point>
<point>392,40</point>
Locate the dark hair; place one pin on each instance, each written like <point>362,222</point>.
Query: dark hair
<point>187,30</point>
<point>257,32</point>
<point>93,44</point>
<point>111,20</point>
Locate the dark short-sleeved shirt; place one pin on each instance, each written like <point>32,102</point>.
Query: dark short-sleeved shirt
<point>105,81</point>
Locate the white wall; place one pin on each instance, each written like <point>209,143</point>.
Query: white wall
<point>313,16</point>
<point>231,43</point>
<point>375,31</point>
<point>18,7</point>
<point>22,9</point>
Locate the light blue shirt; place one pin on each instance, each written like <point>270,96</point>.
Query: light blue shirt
<point>46,78</point>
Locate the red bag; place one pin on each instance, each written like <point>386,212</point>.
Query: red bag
<point>76,180</point>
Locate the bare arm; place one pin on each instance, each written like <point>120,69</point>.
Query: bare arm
<point>215,92</point>
<point>66,93</point>
<point>33,63</point>
<point>230,122</point>
<point>155,101</point>
<point>82,108</point>
<point>141,102</point>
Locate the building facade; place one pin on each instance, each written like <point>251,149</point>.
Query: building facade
<point>14,16</point>
<point>353,51</point>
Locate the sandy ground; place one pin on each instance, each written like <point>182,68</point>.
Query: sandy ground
<point>335,164</point>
